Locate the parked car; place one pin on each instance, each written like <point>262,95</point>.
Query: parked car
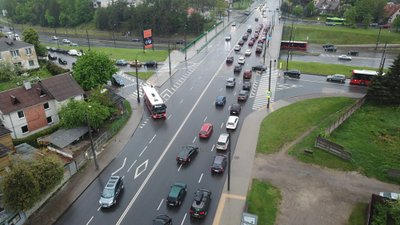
<point>117,81</point>
<point>176,194</point>
<point>246,85</point>
<point>201,203</point>
<point>206,130</point>
<point>259,68</point>
<point>219,164</point>
<point>352,53</point>
<point>187,154</point>
<point>54,38</point>
<point>121,62</point>
<point>232,122</point>
<point>135,63</point>
<point>235,109</point>
<point>237,48</point>
<point>336,78</point>
<point>62,61</point>
<point>180,42</point>
<point>229,59</point>
<point>220,100</point>
<point>66,41</point>
<point>151,64</point>
<point>243,95</point>
<point>328,46</point>
<point>111,191</point>
<point>137,40</point>
<point>241,60</point>
<point>74,52</point>
<point>344,57</point>
<point>292,73</point>
<point>73,44</point>
<point>230,82</point>
<point>248,52</point>
<point>51,57</point>
<point>237,69</point>
<point>247,75</point>
<point>223,142</point>
<point>162,220</point>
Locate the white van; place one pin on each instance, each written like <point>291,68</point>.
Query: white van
<point>223,142</point>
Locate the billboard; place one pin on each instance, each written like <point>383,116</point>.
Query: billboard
<point>147,38</point>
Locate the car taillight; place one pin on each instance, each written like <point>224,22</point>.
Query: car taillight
<point>202,213</point>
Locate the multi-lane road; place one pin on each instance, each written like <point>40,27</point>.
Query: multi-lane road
<point>148,163</point>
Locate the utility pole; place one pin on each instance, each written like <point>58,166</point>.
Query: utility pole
<point>169,57</point>
<point>269,83</point>
<point>229,161</point>
<point>87,37</point>
<point>383,59</point>
<point>91,142</point>
<point>185,42</point>
<point>115,46</point>
<point>137,81</point>
<point>378,38</point>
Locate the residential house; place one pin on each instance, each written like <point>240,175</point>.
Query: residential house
<point>392,10</point>
<point>35,106</point>
<point>19,53</point>
<point>327,6</point>
<point>6,147</point>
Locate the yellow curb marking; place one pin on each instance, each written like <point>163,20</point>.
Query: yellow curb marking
<point>220,209</point>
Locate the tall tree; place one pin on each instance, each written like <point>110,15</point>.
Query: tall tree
<point>351,15</point>
<point>31,36</point>
<point>49,172</point>
<point>396,24</point>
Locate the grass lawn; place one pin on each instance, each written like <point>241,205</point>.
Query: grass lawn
<point>358,214</point>
<point>339,34</point>
<point>371,135</point>
<point>322,68</point>
<point>286,124</point>
<point>263,200</point>
<point>142,75</point>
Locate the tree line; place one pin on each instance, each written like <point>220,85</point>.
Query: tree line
<point>165,17</point>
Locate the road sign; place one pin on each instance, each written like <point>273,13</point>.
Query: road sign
<point>269,93</point>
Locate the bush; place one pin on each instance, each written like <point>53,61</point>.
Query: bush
<point>54,69</point>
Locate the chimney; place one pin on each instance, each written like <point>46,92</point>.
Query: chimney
<point>27,85</point>
<point>14,100</point>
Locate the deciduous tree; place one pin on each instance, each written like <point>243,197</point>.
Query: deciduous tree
<point>31,36</point>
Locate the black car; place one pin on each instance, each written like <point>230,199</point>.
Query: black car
<point>187,153</point>
<point>328,46</point>
<point>62,61</point>
<point>60,50</point>
<point>331,49</point>
<point>116,81</point>
<point>201,203</point>
<point>176,194</point>
<point>150,64</point>
<point>235,109</point>
<point>162,220</point>
<point>219,164</point>
<point>258,50</point>
<point>220,100</point>
<point>135,40</point>
<point>180,42</point>
<point>51,57</point>
<point>352,53</point>
<point>229,60</point>
<point>259,68</point>
<point>246,85</point>
<point>111,191</point>
<point>292,73</point>
<point>241,43</point>
<point>237,69</point>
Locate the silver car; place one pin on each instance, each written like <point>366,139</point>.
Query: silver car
<point>336,78</point>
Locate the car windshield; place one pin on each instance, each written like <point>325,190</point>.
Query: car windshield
<point>184,153</point>
<point>107,193</point>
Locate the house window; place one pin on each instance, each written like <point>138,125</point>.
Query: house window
<point>28,51</point>
<point>31,63</point>
<point>24,129</point>
<point>46,105</point>
<point>14,53</point>
<point>21,114</point>
<point>49,120</point>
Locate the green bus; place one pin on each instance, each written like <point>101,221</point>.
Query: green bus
<point>333,21</point>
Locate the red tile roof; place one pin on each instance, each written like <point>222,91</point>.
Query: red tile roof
<point>391,8</point>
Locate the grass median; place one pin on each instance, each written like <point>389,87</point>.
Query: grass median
<point>142,75</point>
<point>323,68</point>
<point>339,34</point>
<point>263,200</point>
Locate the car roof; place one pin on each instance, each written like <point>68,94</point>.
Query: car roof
<point>232,118</point>
<point>338,75</point>
<point>218,159</point>
<point>220,97</point>
<point>205,126</point>
<point>230,79</point>
<point>235,106</point>
<point>243,92</point>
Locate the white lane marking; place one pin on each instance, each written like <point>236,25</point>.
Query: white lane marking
<point>181,101</point>
<point>152,138</point>
<point>143,150</point>
<point>220,89</point>
<point>131,166</point>
<point>91,218</point>
<point>180,166</point>
<point>123,164</point>
<point>201,176</point>
<point>169,117</point>
<point>194,139</point>
<point>129,206</point>
<point>234,93</point>
<point>191,88</point>
<point>140,170</point>
<point>222,125</point>
<point>212,148</point>
<point>159,205</point>
<point>183,220</point>
<point>98,209</point>
<point>205,119</point>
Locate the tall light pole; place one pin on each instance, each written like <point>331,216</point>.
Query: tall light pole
<point>137,81</point>
<point>91,140</point>
<point>185,41</point>
<point>269,83</point>
<point>115,46</point>
<point>378,38</point>
<point>229,160</point>
<point>169,57</point>
<point>87,37</point>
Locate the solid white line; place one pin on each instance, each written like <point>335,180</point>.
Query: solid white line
<point>169,117</point>
<point>234,93</point>
<point>180,166</point>
<point>212,148</point>
<point>194,139</point>
<point>201,176</point>
<point>123,164</point>
<point>159,205</point>
<point>90,220</point>
<point>205,119</point>
<point>98,209</point>
<point>184,217</point>
<point>222,125</point>
<point>166,150</point>
<point>143,150</point>
<point>152,138</point>
<point>131,166</point>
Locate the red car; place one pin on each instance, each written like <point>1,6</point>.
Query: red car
<point>251,43</point>
<point>247,74</point>
<point>206,130</point>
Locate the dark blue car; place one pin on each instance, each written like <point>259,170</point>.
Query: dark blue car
<point>220,101</point>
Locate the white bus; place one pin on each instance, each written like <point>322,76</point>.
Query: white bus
<point>154,102</point>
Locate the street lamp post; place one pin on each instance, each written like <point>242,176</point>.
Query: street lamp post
<point>115,46</point>
<point>185,41</point>
<point>378,38</point>
<point>91,142</point>
<point>269,83</point>
<point>87,37</point>
<point>137,80</point>
<point>169,57</point>
<point>229,160</point>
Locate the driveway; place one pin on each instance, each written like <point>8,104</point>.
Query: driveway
<point>312,195</point>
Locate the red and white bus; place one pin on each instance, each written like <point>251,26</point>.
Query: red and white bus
<point>294,45</point>
<point>154,102</point>
<point>362,77</point>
